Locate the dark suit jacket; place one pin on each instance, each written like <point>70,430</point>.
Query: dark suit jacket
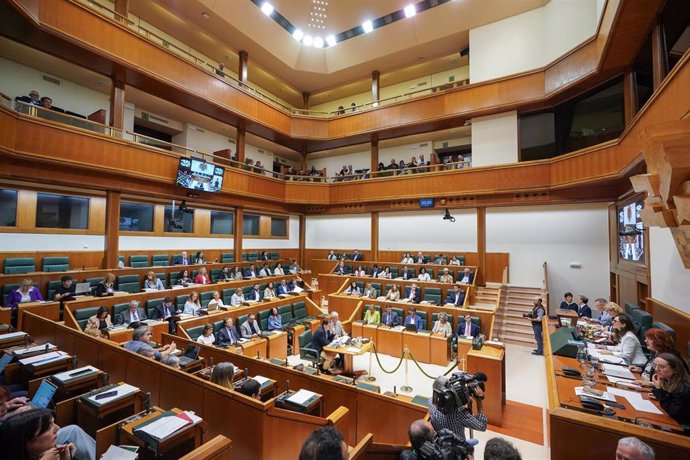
<point>283,289</point>
<point>473,328</point>
<point>321,339</point>
<point>125,317</point>
<point>248,274</point>
<point>409,274</point>
<point>585,311</point>
<point>344,270</point>
<point>375,273</point>
<point>419,260</point>
<point>451,298</point>
<point>161,312</point>
<point>225,337</point>
<point>418,322</point>
<point>357,257</point>
<point>101,289</point>
<point>417,294</point>
<point>461,276</point>
<point>254,295</point>
<point>568,306</point>
<point>179,261</point>
<point>392,321</point>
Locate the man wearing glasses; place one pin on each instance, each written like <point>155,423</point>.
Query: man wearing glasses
<point>142,338</point>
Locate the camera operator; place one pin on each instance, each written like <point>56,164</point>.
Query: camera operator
<point>420,432</point>
<point>429,445</point>
<point>459,417</point>
<point>538,311</point>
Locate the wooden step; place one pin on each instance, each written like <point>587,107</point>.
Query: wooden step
<point>517,339</point>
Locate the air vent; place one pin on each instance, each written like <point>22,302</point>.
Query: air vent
<point>232,141</point>
<point>424,144</point>
<point>422,83</point>
<point>52,80</point>
<point>261,151</point>
<point>444,145</point>
<point>157,118</point>
<point>199,130</point>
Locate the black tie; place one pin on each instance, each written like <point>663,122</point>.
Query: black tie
<point>253,328</point>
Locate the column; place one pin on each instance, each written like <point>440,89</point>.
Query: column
<point>112,229</point>
<point>302,239</point>
<point>374,154</point>
<point>122,8</point>
<point>242,68</point>
<point>629,97</point>
<point>305,100</point>
<point>237,234</point>
<point>375,235</point>
<point>375,89</point>
<point>303,162</point>
<point>481,245</point>
<point>117,104</point>
<point>240,142</point>
<point>659,61</point>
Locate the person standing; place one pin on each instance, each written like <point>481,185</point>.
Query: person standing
<point>538,311</point>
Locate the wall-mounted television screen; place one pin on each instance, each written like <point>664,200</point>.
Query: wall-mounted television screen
<point>198,175</point>
<point>631,244</point>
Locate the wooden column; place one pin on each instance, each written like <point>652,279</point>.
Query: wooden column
<point>481,245</point>
<point>375,235</point>
<point>305,100</point>
<point>375,155</point>
<point>629,98</point>
<point>659,61</point>
<point>122,7</point>
<point>240,142</point>
<point>237,236</point>
<point>302,239</point>
<point>303,161</point>
<point>112,229</point>
<point>117,104</point>
<point>375,88</point>
<point>242,68</point>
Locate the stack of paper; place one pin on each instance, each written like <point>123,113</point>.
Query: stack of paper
<point>635,400</point>
<point>262,380</point>
<point>118,453</point>
<point>166,426</point>
<point>606,396</point>
<point>12,336</point>
<point>122,391</point>
<point>34,349</point>
<point>45,358</point>
<point>618,371</point>
<point>300,397</point>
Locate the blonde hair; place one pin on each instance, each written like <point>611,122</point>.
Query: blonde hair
<point>26,282</point>
<point>109,278</point>
<point>222,375</point>
<point>614,309</point>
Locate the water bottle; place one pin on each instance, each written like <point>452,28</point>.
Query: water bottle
<point>581,355</point>
<point>589,377</point>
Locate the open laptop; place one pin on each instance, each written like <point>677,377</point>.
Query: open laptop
<point>411,327</point>
<point>82,289</point>
<point>191,353</point>
<point>5,359</point>
<point>44,395</point>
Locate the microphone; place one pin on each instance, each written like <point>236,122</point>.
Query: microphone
<point>287,387</point>
<point>147,401</point>
<point>104,379</point>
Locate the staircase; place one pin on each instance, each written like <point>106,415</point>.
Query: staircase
<point>509,324</point>
<point>486,298</point>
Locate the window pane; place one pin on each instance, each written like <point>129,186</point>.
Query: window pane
<point>178,222</point>
<point>597,118</point>
<point>222,223</point>
<point>8,208</point>
<point>136,217</point>
<point>278,226</point>
<point>250,225</point>
<point>58,211</point>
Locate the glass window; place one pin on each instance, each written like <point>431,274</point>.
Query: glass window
<point>178,222</point>
<point>222,223</point>
<point>136,217</point>
<point>250,225</point>
<point>537,136</point>
<point>279,226</point>
<point>8,208</point>
<point>59,211</point>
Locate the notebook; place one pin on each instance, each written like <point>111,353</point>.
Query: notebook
<point>82,289</point>
<point>44,395</point>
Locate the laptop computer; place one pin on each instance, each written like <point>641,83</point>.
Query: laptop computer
<point>82,289</point>
<point>191,353</point>
<point>411,327</point>
<point>5,359</point>
<point>44,395</point>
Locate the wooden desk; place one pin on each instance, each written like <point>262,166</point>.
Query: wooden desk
<point>367,331</point>
<point>390,341</point>
<point>267,390</point>
<point>491,361</point>
<point>439,349</point>
<point>419,344</point>
<point>14,339</point>
<point>349,352</point>
<point>313,406</point>
<point>49,309</point>
<point>255,347</point>
<point>277,345</point>
<point>120,334</point>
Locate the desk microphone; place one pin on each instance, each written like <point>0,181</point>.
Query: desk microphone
<point>104,379</point>
<point>287,387</point>
<point>210,358</point>
<point>395,392</point>
<point>286,362</point>
<point>46,348</point>
<point>74,362</point>
<point>147,401</point>
<point>257,354</point>
<point>26,340</point>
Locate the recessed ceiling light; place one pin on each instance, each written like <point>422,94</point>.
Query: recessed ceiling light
<point>368,26</point>
<point>331,40</point>
<point>267,8</point>
<point>308,40</point>
<point>205,15</point>
<point>297,34</point>
<point>318,42</point>
<point>410,11</point>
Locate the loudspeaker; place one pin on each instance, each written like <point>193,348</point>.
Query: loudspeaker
<point>563,343</point>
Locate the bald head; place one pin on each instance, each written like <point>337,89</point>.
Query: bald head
<point>420,432</point>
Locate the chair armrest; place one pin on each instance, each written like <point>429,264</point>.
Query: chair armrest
<point>309,351</point>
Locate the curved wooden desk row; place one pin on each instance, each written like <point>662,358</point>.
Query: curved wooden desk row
<point>259,429</point>
<point>570,423</point>
<point>41,279</point>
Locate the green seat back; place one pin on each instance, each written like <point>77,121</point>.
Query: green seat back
<point>227,295</point>
<point>263,319</point>
<point>461,259</point>
<point>160,260</point>
<point>285,313</point>
<point>399,312</point>
<point>19,265</point>
<point>252,256</point>
<point>360,285</point>
<point>300,310</point>
<point>666,328</point>
<point>246,290</point>
<point>83,314</point>
<point>642,317</point>
<point>394,272</point>
<point>227,257</point>
<point>151,306</point>
<point>274,256</point>
<point>205,298</point>
<point>195,332</point>
<point>52,286</point>
<point>432,290</point>
<point>377,286</point>
<point>630,307</point>
<point>119,308</point>
<point>424,316</point>
<point>180,301</point>
<point>215,274</point>
<point>245,257</point>
<point>129,283</point>
<point>218,325</point>
<point>93,282</point>
<point>173,278</point>
<point>139,261</point>
<point>241,320</point>
<point>304,338</point>
<point>55,264</point>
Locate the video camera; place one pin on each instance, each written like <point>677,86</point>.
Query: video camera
<point>446,446</point>
<point>458,390</point>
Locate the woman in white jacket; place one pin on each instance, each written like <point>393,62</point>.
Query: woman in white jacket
<point>628,347</point>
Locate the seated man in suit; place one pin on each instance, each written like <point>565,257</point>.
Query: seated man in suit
<point>456,296</point>
<point>390,318</point>
<point>255,294</point>
<point>420,258</point>
<point>182,259</point>
<point>250,328</point>
<point>441,260</point>
<point>375,270</point>
<point>167,311</point>
<point>467,276</point>
<point>446,277</point>
<point>34,98</point>
<point>265,270</point>
<point>237,298</point>
<point>356,256</point>
<point>250,272</point>
<point>225,275</point>
<point>294,267</point>
<point>228,335</point>
<point>370,292</point>
<point>322,337</point>
<point>283,287</point>
<point>467,328</point>
<point>406,273</point>
<point>412,318</point>
<point>133,315</point>
<point>341,269</point>
<point>413,294</point>
<point>582,308</point>
<point>141,337</point>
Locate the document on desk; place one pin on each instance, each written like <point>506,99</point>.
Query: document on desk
<point>118,453</point>
<point>82,372</point>
<point>635,400</point>
<point>12,335</point>
<point>164,427</point>
<point>122,391</point>
<point>43,359</point>
<point>604,397</point>
<point>300,397</point>
<point>35,349</point>
<point>618,371</point>
<point>353,350</point>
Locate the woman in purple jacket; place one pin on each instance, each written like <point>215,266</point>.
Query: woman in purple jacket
<point>26,292</point>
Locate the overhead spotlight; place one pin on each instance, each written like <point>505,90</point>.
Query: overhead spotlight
<point>331,40</point>
<point>308,40</point>
<point>410,11</point>
<point>448,217</point>
<point>318,42</point>
<point>368,26</point>
<point>267,8</point>
<point>297,35</point>
<point>205,15</point>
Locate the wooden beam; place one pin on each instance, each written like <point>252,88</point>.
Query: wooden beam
<point>305,100</point>
<point>122,7</point>
<point>240,143</point>
<point>375,155</point>
<point>375,85</point>
<point>481,245</point>
<point>659,59</point>
<point>302,238</point>
<point>237,236</point>
<point>375,235</point>
<point>112,228</point>
<point>117,104</point>
<point>629,98</point>
<point>242,66</point>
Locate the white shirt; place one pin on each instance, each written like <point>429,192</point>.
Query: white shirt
<point>237,300</point>
<point>207,340</point>
<point>424,277</point>
<point>278,271</point>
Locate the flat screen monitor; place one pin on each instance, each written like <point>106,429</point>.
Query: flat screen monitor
<point>196,174</point>
<point>631,243</point>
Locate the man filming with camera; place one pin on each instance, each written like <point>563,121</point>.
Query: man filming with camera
<point>451,404</point>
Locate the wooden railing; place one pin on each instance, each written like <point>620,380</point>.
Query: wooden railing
<point>545,286</point>
<point>505,277</point>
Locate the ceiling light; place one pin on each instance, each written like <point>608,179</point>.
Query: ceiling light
<point>367,26</point>
<point>297,34</point>
<point>318,42</point>
<point>331,40</point>
<point>410,11</point>
<point>267,8</point>
<point>205,15</point>
<point>308,40</point>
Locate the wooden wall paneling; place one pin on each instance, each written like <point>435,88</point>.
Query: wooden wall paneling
<point>303,241</point>
<point>265,226</point>
<point>481,246</point>
<point>237,235</point>
<point>375,411</point>
<point>202,222</point>
<point>115,363</point>
<point>112,230</point>
<point>97,215</point>
<point>140,374</point>
<point>173,384</point>
<point>677,319</point>
<point>158,219</point>
<point>375,235</point>
<point>26,209</point>
<point>300,427</point>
